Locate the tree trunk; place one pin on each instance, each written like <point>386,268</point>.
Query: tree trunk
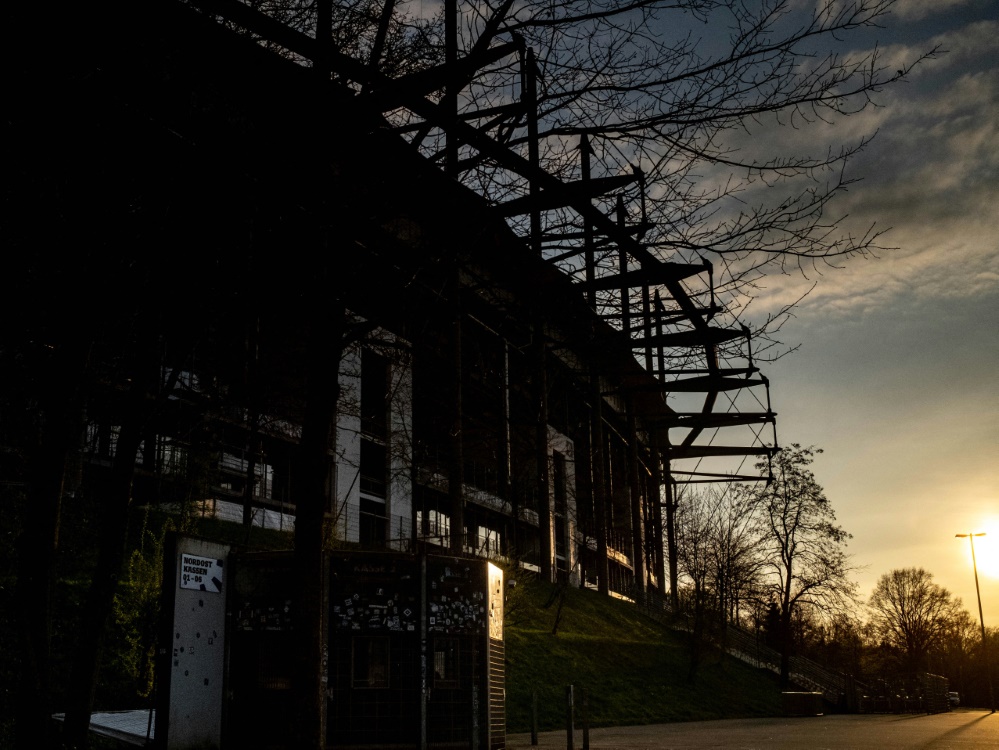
<point>696,633</point>
<point>311,496</point>
<point>785,630</point>
<point>785,649</point>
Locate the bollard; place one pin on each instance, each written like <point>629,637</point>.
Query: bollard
<point>568,718</point>
<point>586,720</point>
<point>534,718</point>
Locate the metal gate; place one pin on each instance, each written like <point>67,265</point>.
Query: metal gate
<point>415,649</point>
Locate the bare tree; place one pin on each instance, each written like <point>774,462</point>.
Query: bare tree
<point>837,642</point>
<point>695,530</point>
<point>912,614</point>
<point>713,120</point>
<point>736,551</point>
<point>805,554</point>
<point>720,561</point>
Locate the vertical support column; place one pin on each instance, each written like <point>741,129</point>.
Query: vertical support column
<point>456,465</point>
<point>311,474</point>
<point>530,96</point>
<point>637,529</point>
<point>660,350</point>
<point>505,489</point>
<point>311,491</point>
<point>543,453</point>
<point>655,495</point>
<point>666,477</point>
<point>647,327</point>
<point>254,445</point>
<point>670,502</point>
<point>598,464</point>
<point>424,684</point>
<point>623,268</point>
<point>596,428</point>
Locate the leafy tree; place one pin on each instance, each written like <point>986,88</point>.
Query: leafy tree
<point>137,610</point>
<point>913,615</point>
<point>804,549</point>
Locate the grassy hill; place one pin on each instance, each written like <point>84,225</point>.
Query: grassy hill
<point>632,669</point>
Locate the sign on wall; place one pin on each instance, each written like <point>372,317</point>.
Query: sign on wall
<point>200,573</point>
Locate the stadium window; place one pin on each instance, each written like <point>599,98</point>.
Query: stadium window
<point>374,394</point>
<point>374,469</point>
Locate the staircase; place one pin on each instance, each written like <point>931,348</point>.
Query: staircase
<point>837,689</point>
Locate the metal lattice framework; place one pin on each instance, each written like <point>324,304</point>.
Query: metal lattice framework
<point>590,228</point>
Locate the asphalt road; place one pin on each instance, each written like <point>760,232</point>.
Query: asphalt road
<point>962,729</point>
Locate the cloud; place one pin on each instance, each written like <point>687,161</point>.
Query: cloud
<point>915,10</point>
<point>930,266</point>
<point>895,375</point>
<point>929,175</point>
<point>969,46</point>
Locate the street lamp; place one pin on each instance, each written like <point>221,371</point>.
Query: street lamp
<point>981,618</point>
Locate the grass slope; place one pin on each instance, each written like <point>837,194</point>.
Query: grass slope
<point>632,669</point>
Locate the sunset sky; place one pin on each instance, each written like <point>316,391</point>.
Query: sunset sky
<point>897,377</point>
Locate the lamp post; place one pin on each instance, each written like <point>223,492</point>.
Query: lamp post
<point>981,618</point>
